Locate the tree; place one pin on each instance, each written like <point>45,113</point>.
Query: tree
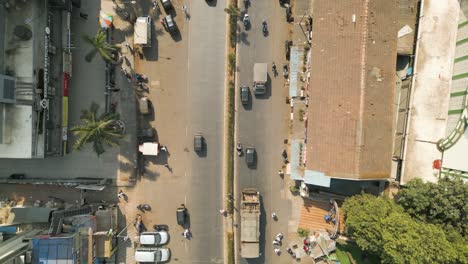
<point>443,203</point>
<point>232,10</point>
<point>380,226</point>
<point>99,130</point>
<point>100,46</point>
<point>406,240</point>
<point>363,215</point>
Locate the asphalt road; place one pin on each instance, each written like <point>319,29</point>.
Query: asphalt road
<point>187,76</point>
<point>263,124</point>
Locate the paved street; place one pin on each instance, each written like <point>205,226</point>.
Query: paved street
<point>264,124</point>
<point>186,81</point>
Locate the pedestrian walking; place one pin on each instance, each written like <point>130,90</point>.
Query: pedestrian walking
<point>185,9</point>
<point>84,16</point>
<point>128,47</point>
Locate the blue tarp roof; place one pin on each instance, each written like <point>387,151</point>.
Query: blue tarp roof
<point>57,250</point>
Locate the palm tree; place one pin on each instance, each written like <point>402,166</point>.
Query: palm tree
<point>100,46</point>
<point>232,10</point>
<point>99,130</point>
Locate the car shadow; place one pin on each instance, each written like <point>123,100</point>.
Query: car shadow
<point>243,38</point>
<point>211,3</point>
<point>204,152</point>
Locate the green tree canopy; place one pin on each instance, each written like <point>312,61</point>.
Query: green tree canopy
<point>99,130</point>
<point>443,203</point>
<point>380,226</point>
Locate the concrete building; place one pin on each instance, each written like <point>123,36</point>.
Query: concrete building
<point>34,72</point>
<point>352,87</point>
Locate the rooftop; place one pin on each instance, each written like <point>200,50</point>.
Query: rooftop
<point>350,119</point>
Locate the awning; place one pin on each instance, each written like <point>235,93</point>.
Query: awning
<point>316,178</point>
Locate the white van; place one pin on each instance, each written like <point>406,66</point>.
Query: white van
<point>142,32</point>
<point>154,238</point>
<point>152,255</point>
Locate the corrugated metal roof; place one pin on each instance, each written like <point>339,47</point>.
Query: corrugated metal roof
<point>294,70</point>
<point>352,84</point>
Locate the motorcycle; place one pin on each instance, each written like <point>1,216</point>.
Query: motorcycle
<point>273,67</point>
<point>239,149</point>
<point>264,28</point>
<point>144,207</point>
<point>285,71</point>
<point>140,77</point>
<point>246,21</point>
<point>161,227</point>
<point>246,4</point>
<point>274,216</point>
<point>290,252</point>
<point>285,156</point>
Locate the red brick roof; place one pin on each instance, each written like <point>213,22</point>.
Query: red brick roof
<point>350,114</point>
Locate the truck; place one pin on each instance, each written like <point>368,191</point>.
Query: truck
<point>142,31</point>
<point>250,223</point>
<point>260,78</point>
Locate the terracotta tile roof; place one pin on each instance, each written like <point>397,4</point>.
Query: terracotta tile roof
<point>350,114</point>
<point>313,213</point>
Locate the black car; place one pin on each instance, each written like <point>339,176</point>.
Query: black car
<point>244,95</point>
<point>250,156</point>
<point>167,5</point>
<point>181,215</point>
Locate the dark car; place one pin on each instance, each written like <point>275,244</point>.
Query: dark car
<point>168,23</point>
<point>198,142</point>
<point>167,5</point>
<point>181,215</point>
<point>148,134</point>
<point>244,94</point>
<point>250,156</point>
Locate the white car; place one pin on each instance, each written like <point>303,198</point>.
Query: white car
<point>153,238</point>
<point>152,255</point>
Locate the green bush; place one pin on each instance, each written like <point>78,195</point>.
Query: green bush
<point>303,232</point>
<point>232,61</point>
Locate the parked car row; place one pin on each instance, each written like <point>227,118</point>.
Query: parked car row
<point>149,252</point>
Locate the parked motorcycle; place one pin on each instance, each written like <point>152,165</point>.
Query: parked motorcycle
<point>239,149</point>
<point>161,227</point>
<point>273,68</point>
<point>264,27</point>
<point>284,154</point>
<point>246,4</point>
<point>285,71</point>
<point>144,207</point>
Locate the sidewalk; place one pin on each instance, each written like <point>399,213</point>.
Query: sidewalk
<point>125,98</point>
